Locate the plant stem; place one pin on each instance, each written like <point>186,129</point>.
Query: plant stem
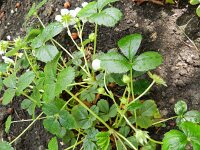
<point>28,120</point>
<point>88,109</point>
<point>95,39</point>
<point>30,98</point>
<point>157,142</point>
<point>164,120</point>
<point>150,86</point>
<point>26,129</point>
<point>74,145</point>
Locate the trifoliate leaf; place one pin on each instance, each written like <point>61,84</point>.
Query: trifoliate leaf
<point>103,140</point>
<point>46,53</point>
<point>180,107</point>
<point>129,45</point>
<point>147,61</point>
<point>102,3</point>
<point>53,144</point>
<point>113,62</point>
<point>48,33</point>
<point>83,118</point>
<point>108,17</point>
<point>8,124</point>
<point>8,96</point>
<point>104,111</point>
<point>65,77</point>
<point>5,146</point>
<point>174,140</point>
<point>25,80</point>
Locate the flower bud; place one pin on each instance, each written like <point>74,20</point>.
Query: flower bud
<point>141,136</point>
<point>126,79</point>
<point>92,37</point>
<point>101,90</point>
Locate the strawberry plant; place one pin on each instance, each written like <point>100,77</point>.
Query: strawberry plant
<point>76,96</point>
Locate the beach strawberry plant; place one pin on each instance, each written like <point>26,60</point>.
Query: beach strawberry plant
<point>74,93</point>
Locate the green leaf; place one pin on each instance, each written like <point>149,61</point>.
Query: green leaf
<point>25,80</point>
<point>140,86</point>
<point>65,77</point>
<point>8,124</point>
<point>82,117</point>
<point>192,131</point>
<point>149,108</point>
<point>52,125</point>
<point>102,3</point>
<point>147,61</point>
<point>198,10</point>
<point>194,2</point>
<point>103,140</point>
<point>90,138</point>
<point>53,144</point>
<point>32,33</point>
<point>5,146</point>
<point>67,120</point>
<point>174,140</point>
<point>1,84</point>
<point>124,130</point>
<point>113,62</point>
<point>192,116</point>
<point>144,122</point>
<point>149,146</point>
<point>108,17</point>
<point>89,145</point>
<point>88,10</point>
<point>46,53</point>
<point>50,77</point>
<point>104,111</point>
<point>10,81</point>
<point>3,67</point>
<point>180,107</point>
<point>48,33</point>
<point>130,44</point>
<point>29,106</point>
<point>133,140</point>
<point>89,94</point>
<point>8,96</point>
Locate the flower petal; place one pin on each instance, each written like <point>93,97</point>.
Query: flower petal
<point>64,12</point>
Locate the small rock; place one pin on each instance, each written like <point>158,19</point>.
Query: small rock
<point>136,25</point>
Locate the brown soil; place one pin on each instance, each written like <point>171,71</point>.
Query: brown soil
<point>164,29</point>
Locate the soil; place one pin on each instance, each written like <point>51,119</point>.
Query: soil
<point>171,30</point>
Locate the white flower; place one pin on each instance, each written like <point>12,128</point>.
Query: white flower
<point>141,136</point>
<point>19,55</point>
<point>7,60</point>
<point>75,12</point>
<point>64,12</point>
<point>96,64</point>
<point>58,18</point>
<point>84,4</point>
<point>8,37</point>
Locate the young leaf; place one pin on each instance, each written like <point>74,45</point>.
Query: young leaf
<point>108,17</point>
<point>46,53</point>
<point>113,62</point>
<point>175,140</point>
<point>147,61</point>
<point>25,80</point>
<point>102,3</point>
<point>194,2</point>
<point>5,146</point>
<point>48,33</point>
<point>104,111</point>
<point>67,120</point>
<point>198,10</point>
<point>8,124</point>
<point>192,116</point>
<point>103,140</point>
<point>8,96</point>
<point>88,10</point>
<point>130,44</point>
<point>65,77</point>
<point>10,81</point>
<point>180,107</point>
<point>53,144</point>
<point>192,131</point>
